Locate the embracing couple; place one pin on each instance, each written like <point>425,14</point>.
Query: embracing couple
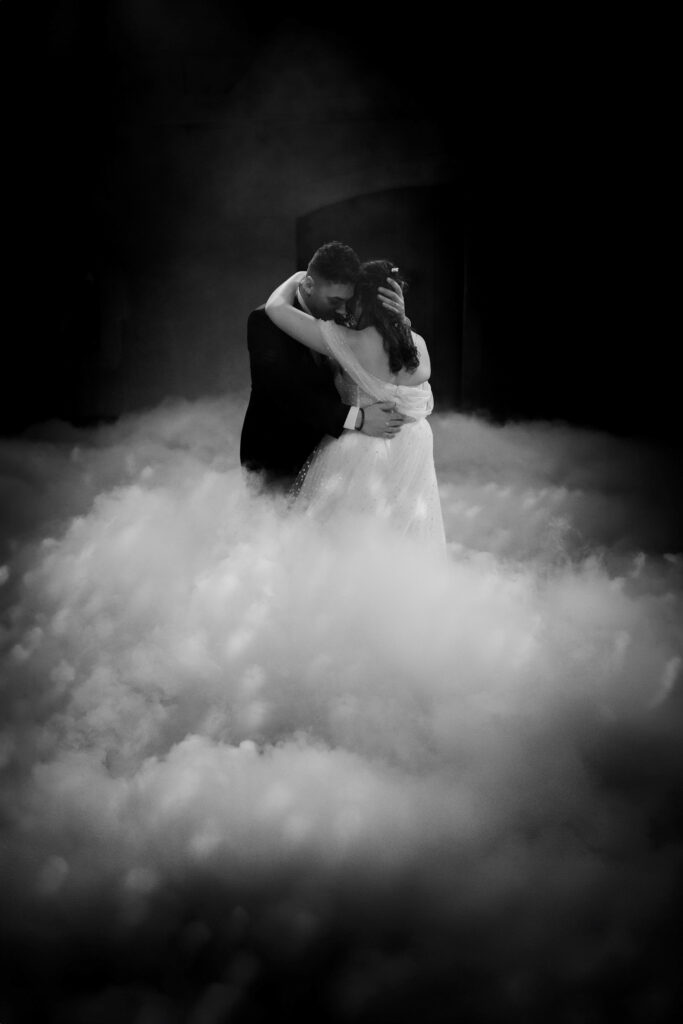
<point>340,397</point>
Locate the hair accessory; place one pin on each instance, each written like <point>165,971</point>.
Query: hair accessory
<point>394,270</point>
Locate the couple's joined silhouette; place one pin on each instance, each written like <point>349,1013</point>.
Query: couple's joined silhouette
<point>337,416</point>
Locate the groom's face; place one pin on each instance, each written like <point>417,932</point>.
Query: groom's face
<point>326,299</point>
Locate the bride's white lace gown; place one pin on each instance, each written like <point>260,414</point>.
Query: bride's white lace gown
<point>392,480</point>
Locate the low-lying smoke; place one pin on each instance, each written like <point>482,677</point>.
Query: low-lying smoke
<point>249,765</point>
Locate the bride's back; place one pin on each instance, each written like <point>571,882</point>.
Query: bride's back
<point>368,347</point>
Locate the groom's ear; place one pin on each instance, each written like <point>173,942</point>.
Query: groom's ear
<point>307,284</point>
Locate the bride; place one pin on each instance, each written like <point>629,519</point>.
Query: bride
<point>391,479</point>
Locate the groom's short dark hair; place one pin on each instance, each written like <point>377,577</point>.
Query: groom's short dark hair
<point>335,262</point>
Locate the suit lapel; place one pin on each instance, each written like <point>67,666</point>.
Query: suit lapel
<point>317,358</point>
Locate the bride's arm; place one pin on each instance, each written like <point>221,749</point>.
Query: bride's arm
<point>298,325</point>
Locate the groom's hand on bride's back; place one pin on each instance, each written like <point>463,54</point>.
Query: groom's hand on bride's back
<point>382,420</point>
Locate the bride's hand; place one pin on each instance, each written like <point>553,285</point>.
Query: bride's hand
<point>295,280</point>
<point>289,288</point>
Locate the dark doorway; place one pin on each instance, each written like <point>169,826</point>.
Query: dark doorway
<point>421,230</point>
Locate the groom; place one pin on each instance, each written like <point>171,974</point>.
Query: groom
<point>293,401</point>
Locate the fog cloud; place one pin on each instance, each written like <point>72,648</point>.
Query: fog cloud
<point>326,771</point>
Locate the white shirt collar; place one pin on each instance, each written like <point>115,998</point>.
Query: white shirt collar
<point>302,301</point>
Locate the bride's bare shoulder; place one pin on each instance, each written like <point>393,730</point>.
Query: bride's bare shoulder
<point>422,350</point>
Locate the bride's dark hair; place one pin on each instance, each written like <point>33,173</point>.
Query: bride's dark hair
<point>398,341</point>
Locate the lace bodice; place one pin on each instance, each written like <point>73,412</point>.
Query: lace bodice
<point>357,386</point>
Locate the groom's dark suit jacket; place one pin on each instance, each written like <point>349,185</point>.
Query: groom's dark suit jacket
<point>293,402</point>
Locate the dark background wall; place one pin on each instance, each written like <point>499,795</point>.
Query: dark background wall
<point>170,161</point>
